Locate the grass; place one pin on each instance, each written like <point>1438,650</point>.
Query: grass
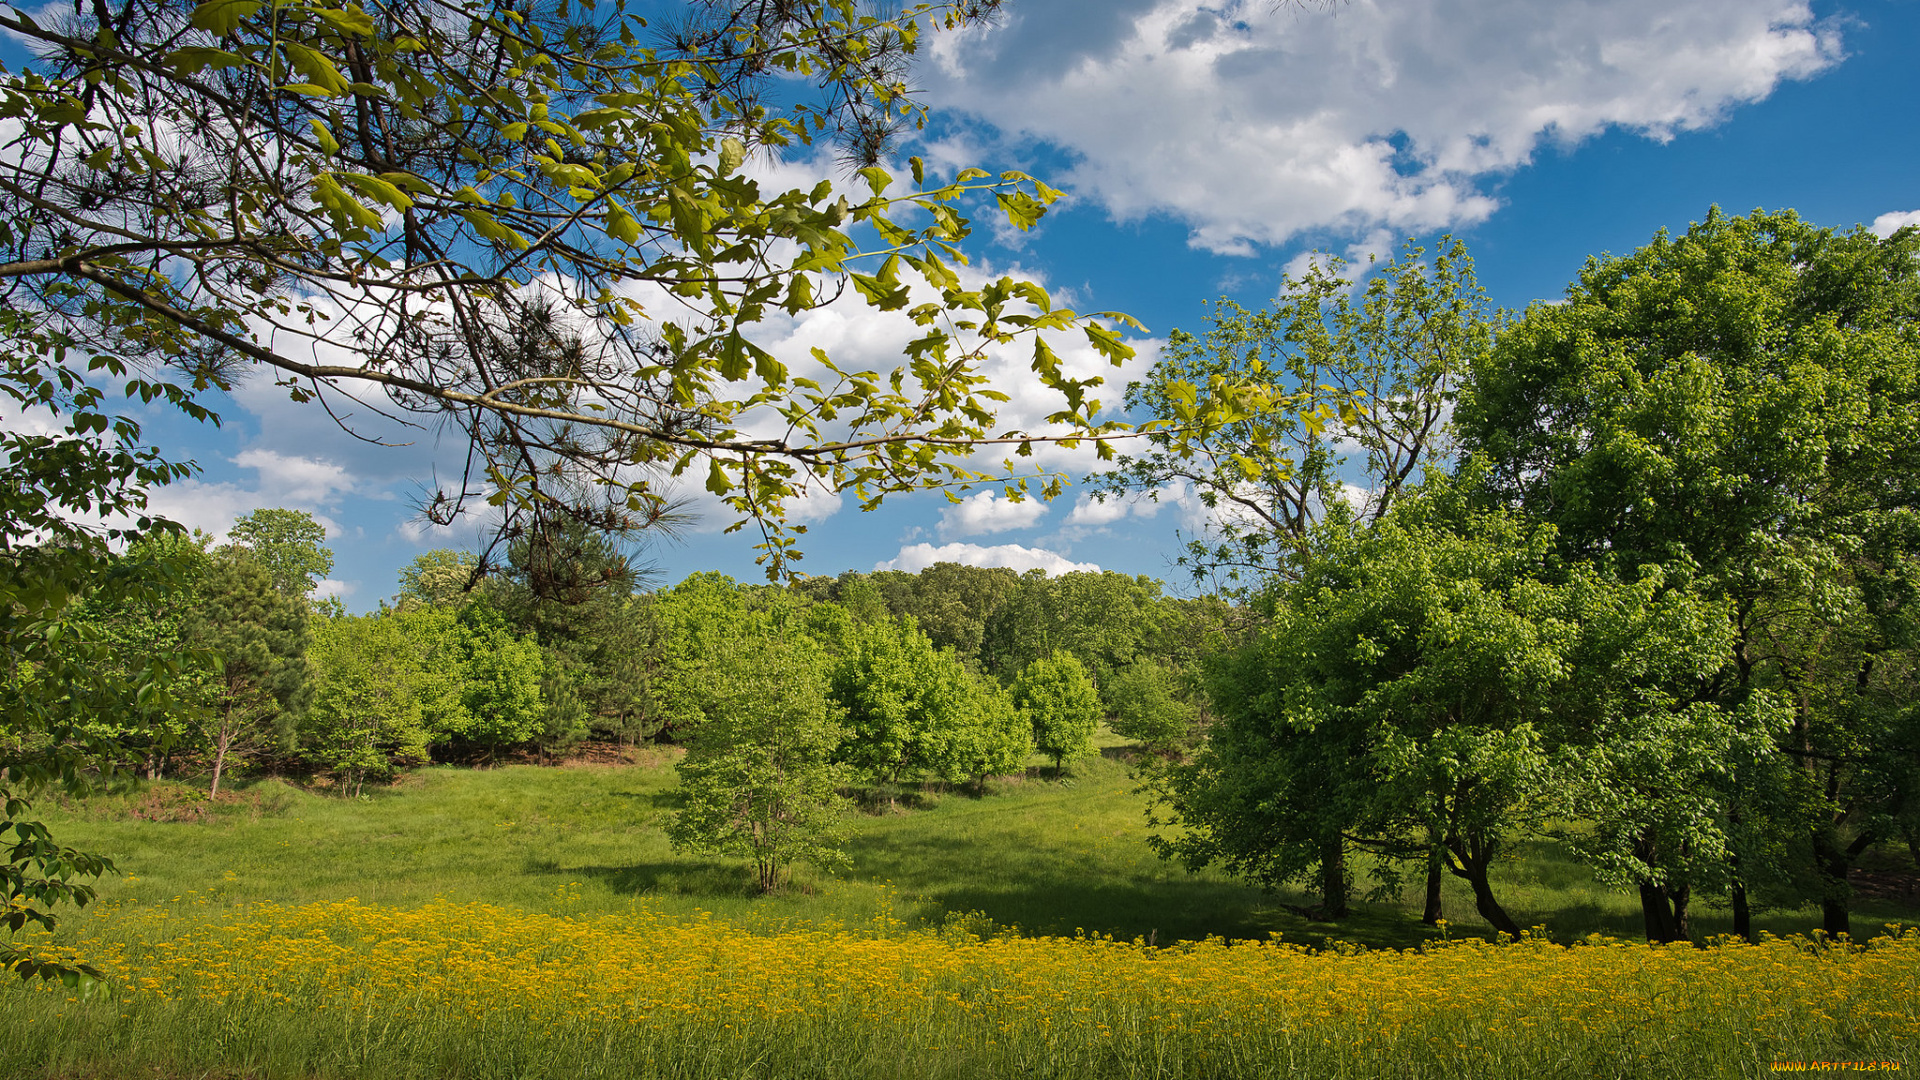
<point>1047,856</point>
<point>533,922</point>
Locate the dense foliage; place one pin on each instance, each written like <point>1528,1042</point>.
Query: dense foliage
<point>1660,608</point>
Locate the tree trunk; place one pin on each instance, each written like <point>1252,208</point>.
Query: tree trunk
<point>1835,863</point>
<point>1664,924</point>
<point>1471,867</point>
<point>220,744</point>
<point>1484,902</point>
<point>1333,879</point>
<point>1435,867</point>
<point>1681,895</point>
<point>1742,914</point>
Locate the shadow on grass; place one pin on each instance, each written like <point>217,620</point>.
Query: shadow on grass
<point>668,799</point>
<point>1044,890</point>
<point>693,879</point>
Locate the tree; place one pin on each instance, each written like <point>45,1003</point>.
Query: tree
<point>289,543</point>
<point>759,778</point>
<point>995,736</point>
<point>1147,707</point>
<point>1437,686</point>
<point>570,587</point>
<point>913,710</point>
<point>696,616</point>
<point>67,696</point>
<point>371,699</point>
<point>1746,396</point>
<point>442,577</point>
<point>1102,619</point>
<point>953,603</point>
<point>535,222</point>
<point>1255,413</point>
<point>1063,706</point>
<point>258,630</point>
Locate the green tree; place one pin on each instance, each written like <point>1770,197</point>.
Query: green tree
<point>995,736</point>
<point>1745,395</point>
<point>695,618</point>
<point>371,699</point>
<point>1437,686</point>
<point>953,604</point>
<point>480,269</point>
<point>1147,705</point>
<point>911,710</point>
<point>289,543</point>
<point>68,696</point>
<point>571,588</point>
<point>442,577</point>
<point>258,632</point>
<point>1063,706</point>
<point>1289,388</point>
<point>759,778</point>
<point>1102,619</point>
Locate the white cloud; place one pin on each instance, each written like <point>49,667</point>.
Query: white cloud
<point>294,480</point>
<point>987,512</point>
<point>917,557</point>
<point>1091,516</point>
<point>283,480</point>
<point>1255,122</point>
<point>333,587</point>
<point>1887,224</point>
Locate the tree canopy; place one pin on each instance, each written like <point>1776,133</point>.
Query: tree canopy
<point>1745,396</point>
<point>540,222</point>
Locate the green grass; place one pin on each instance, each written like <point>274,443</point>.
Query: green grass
<point>1045,855</point>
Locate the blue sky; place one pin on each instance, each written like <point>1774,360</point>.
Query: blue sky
<point>1205,151</point>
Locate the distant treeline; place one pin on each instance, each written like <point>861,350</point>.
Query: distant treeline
<point>561,645</point>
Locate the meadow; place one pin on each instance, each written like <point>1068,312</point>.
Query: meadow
<point>531,922</point>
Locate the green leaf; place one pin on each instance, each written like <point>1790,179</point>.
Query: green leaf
<point>596,118</point>
<point>622,226</point>
<point>349,20</point>
<point>717,481</point>
<point>378,190</point>
<point>328,144</point>
<point>734,357</point>
<point>319,70</point>
<point>878,293</point>
<point>195,59</point>
<point>488,226</point>
<point>1023,210</point>
<point>1108,343</point>
<point>222,17</point>
<point>732,154</point>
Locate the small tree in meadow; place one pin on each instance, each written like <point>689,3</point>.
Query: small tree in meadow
<point>1146,708</point>
<point>1063,705</point>
<point>370,683</point>
<point>995,738</point>
<point>259,633</point>
<point>759,777</point>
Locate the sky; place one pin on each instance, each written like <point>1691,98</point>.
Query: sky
<point>1206,151</point>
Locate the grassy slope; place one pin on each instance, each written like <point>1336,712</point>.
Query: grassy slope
<point>1047,856</point>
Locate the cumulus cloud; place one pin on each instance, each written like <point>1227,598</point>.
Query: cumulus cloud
<point>1887,224</point>
<point>917,557</point>
<point>1255,122</point>
<point>314,485</point>
<point>988,512</point>
<point>1095,512</point>
<point>294,479</point>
